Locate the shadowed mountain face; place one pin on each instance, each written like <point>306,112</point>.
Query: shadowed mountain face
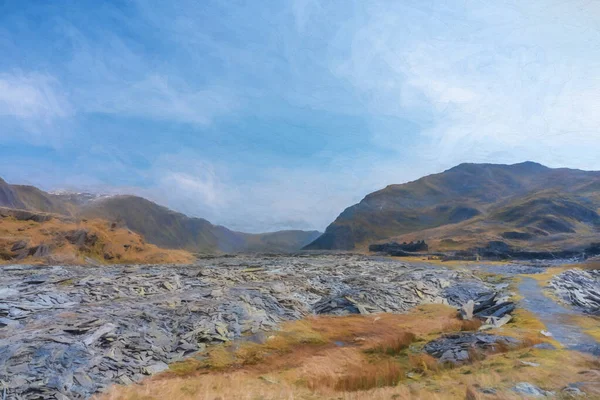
<point>8,198</point>
<point>171,229</point>
<point>158,225</point>
<point>474,199</point>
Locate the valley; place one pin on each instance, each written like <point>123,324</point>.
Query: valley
<point>480,282</point>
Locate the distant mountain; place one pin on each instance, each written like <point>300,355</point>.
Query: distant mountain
<point>524,204</point>
<point>280,241</point>
<point>157,224</point>
<point>171,229</point>
<point>33,199</point>
<point>8,197</point>
<point>78,198</point>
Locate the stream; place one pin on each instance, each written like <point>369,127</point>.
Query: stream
<point>555,317</point>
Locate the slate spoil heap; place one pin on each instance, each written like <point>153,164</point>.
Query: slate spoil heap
<point>579,288</point>
<point>68,332</point>
<point>491,307</point>
<point>457,348</point>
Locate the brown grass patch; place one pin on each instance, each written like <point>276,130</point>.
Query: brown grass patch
<point>113,245</point>
<point>369,376</point>
<point>392,345</point>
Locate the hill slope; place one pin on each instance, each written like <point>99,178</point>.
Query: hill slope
<point>473,199</point>
<point>32,237</point>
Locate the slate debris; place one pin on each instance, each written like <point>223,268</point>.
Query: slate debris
<point>71,331</point>
<point>457,348</point>
<point>579,288</point>
<point>491,307</point>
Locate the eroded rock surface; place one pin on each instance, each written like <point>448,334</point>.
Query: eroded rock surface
<point>72,331</point>
<point>579,288</point>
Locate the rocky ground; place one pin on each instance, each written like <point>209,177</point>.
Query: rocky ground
<point>68,332</point>
<point>579,288</point>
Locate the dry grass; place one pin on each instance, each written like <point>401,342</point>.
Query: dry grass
<point>362,357</point>
<point>366,376</point>
<point>119,244</point>
<point>392,345</point>
<point>590,324</point>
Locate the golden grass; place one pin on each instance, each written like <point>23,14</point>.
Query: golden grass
<point>122,245</point>
<point>589,323</point>
<point>362,357</point>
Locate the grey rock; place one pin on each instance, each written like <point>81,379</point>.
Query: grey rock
<point>42,250</point>
<point>527,389</point>
<point>573,391</point>
<point>155,368</point>
<point>466,311</point>
<point>454,348</point>
<point>8,292</point>
<point>19,245</point>
<point>579,288</point>
<point>99,333</point>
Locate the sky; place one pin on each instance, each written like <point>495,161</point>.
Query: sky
<point>268,115</point>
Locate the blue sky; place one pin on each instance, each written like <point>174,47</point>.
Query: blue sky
<point>266,115</point>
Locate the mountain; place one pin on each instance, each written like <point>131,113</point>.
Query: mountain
<point>8,197</point>
<point>524,204</point>
<point>171,229</point>
<point>281,241</point>
<point>157,224</point>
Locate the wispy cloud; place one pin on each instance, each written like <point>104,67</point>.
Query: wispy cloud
<point>32,97</point>
<point>495,83</point>
<point>155,97</point>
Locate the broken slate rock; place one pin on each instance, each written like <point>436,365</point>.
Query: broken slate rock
<point>456,347</point>
<point>75,330</point>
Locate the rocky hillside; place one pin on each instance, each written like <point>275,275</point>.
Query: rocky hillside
<point>31,237</point>
<point>157,224</point>
<point>527,205</point>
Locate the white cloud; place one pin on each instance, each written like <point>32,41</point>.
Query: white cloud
<point>494,83</point>
<point>155,97</point>
<point>33,107</point>
<point>32,96</point>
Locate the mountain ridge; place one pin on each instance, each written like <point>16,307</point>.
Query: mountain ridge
<point>159,225</point>
<point>465,192</point>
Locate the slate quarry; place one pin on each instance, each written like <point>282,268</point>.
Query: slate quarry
<point>579,288</point>
<point>71,331</point>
